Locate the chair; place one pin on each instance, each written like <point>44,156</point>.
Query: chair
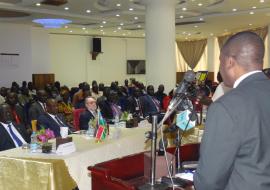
<point>76,118</point>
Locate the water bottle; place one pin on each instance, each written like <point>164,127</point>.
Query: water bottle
<point>116,120</point>
<point>34,142</point>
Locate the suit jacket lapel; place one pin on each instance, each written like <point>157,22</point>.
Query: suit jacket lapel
<point>4,132</point>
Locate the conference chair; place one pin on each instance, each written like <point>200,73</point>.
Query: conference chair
<point>76,118</point>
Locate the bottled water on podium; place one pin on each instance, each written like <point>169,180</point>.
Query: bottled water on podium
<point>34,142</point>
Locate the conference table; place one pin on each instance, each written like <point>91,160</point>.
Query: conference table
<point>21,169</point>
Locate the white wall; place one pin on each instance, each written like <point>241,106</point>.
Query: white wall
<point>72,62</point>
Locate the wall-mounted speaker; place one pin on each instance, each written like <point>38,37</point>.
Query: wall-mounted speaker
<point>97,45</point>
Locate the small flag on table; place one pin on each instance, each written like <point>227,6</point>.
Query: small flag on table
<point>102,131</point>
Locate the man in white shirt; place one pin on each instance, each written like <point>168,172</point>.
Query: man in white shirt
<point>11,134</point>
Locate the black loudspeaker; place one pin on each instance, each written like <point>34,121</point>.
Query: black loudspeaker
<point>96,44</point>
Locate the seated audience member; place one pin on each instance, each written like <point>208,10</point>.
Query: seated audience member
<point>15,87</point>
<point>85,93</point>
<point>65,107</point>
<point>32,90</point>
<point>78,95</point>
<point>38,107</point>
<point>57,85</point>
<point>51,119</point>
<point>221,88</point>
<point>16,109</point>
<point>167,99</point>
<point>134,105</point>
<point>122,98</point>
<point>89,113</point>
<point>150,104</point>
<point>3,94</point>
<point>160,95</point>
<point>109,107</point>
<point>95,92</point>
<point>101,87</point>
<point>24,98</point>
<point>12,135</point>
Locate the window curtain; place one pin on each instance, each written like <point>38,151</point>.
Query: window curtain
<point>192,51</point>
<point>262,32</point>
<point>182,66</point>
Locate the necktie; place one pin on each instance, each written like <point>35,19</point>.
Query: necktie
<point>14,136</point>
<point>59,121</point>
<point>17,119</point>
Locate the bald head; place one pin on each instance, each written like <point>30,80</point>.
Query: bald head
<point>247,48</point>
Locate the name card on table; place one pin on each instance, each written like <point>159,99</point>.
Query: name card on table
<point>66,148</point>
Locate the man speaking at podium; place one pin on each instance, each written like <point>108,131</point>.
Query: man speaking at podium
<point>235,149</point>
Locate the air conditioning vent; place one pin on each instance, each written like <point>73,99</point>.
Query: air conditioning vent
<point>12,14</point>
<point>187,23</point>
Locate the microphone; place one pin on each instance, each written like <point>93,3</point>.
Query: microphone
<point>182,88</point>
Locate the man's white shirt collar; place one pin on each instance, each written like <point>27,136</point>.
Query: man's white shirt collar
<point>240,79</point>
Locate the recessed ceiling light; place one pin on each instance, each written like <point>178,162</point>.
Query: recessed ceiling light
<point>201,19</point>
<point>103,33</point>
<point>186,38</point>
<point>195,26</point>
<point>66,8</point>
<point>131,9</point>
<point>184,9</point>
<point>119,28</point>
<point>114,31</point>
<point>118,5</point>
<point>136,18</point>
<point>234,10</point>
<point>84,28</point>
<point>101,30</point>
<point>261,1</point>
<point>124,34</point>
<point>101,26</point>
<point>250,24</point>
<point>211,34</point>
<point>121,24</point>
<point>117,15</point>
<point>139,26</point>
<point>254,7</point>
<point>104,22</point>
<point>143,34</point>
<point>200,4</point>
<point>251,13</point>
<point>183,32</point>
<point>70,31</point>
<point>88,11</point>
<point>38,4</point>
<point>66,26</point>
<point>181,16</point>
<point>189,34</point>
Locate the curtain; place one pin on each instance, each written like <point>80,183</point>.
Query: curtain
<point>262,32</point>
<point>192,51</point>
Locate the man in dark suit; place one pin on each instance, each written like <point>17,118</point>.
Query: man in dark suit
<point>134,105</point>
<point>51,119</point>
<point>234,153</point>
<point>150,105</point>
<point>12,135</point>
<point>89,113</point>
<point>38,107</point>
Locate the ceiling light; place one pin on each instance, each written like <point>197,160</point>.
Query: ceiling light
<point>104,22</point>
<point>118,5</point>
<point>101,26</point>
<point>181,16</point>
<point>184,9</point>
<point>200,4</point>
<point>70,31</point>
<point>136,18</point>
<point>131,9</point>
<point>250,24</point>
<point>183,32</point>
<point>186,38</point>
<point>101,30</point>
<point>84,28</point>
<point>66,26</point>
<point>52,23</point>
<point>66,8</point>
<point>234,10</point>
<point>195,26</point>
<point>189,34</point>
<point>117,15</point>
<point>201,19</point>
<point>38,4</point>
<point>88,11</point>
<point>211,34</point>
<point>124,34</point>
<point>114,31</point>
<point>254,7</point>
<point>119,28</point>
<point>143,34</point>
<point>261,1</point>
<point>251,13</point>
<point>121,24</point>
<point>139,26</point>
<point>103,33</point>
